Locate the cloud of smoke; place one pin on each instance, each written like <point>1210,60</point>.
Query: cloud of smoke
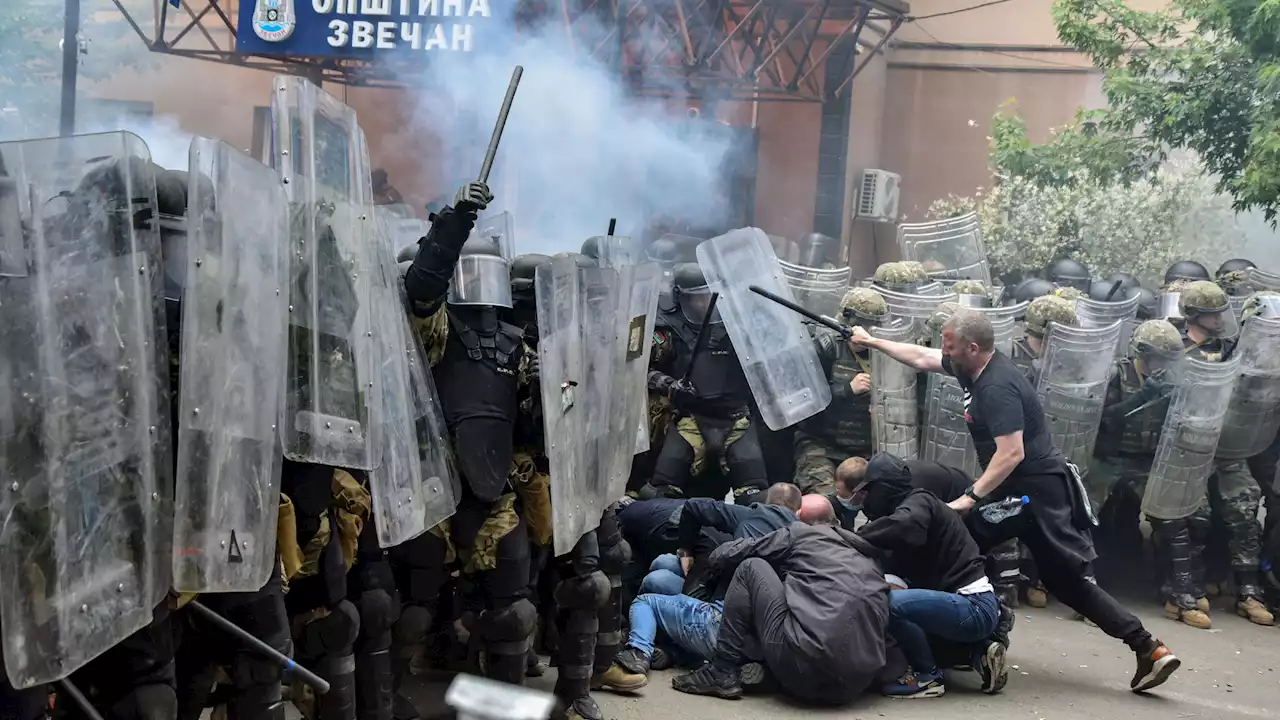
<point>577,150</point>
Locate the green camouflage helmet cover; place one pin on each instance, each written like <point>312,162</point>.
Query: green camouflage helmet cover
<point>864,305</point>
<point>1047,309</point>
<point>896,274</point>
<point>969,287</point>
<point>919,271</point>
<point>1235,282</point>
<point>1156,336</point>
<point>940,316</point>
<point>1202,297</point>
<point>1067,292</point>
<point>1260,304</point>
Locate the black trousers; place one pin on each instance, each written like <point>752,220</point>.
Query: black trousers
<point>743,457</point>
<point>1045,529</point>
<point>29,704</point>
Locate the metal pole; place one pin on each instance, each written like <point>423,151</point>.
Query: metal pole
<point>501,123</point>
<point>70,68</point>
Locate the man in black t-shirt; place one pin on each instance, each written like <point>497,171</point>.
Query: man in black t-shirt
<point>1011,437</point>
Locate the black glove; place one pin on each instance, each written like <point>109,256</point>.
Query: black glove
<point>472,198</point>
<point>1156,385</point>
<point>682,395</point>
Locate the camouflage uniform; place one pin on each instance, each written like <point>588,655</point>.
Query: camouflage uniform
<point>1041,312</point>
<point>1126,449</point>
<point>1234,494</point>
<point>843,430</point>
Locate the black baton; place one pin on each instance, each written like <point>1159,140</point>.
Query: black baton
<point>844,331</point>
<point>700,344</point>
<point>320,684</point>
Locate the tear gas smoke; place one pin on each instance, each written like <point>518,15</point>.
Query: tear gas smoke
<point>576,150</point>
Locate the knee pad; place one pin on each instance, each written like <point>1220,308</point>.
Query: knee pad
<point>378,613</point>
<point>513,623</point>
<point>584,592</point>
<point>147,702</point>
<point>614,558</point>
<point>412,627</point>
<point>333,634</point>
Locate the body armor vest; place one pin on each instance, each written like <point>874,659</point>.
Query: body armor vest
<point>476,376</point>
<point>1141,431</point>
<point>717,377</point>
<point>842,425</point>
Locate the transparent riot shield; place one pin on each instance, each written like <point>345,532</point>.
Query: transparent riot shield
<point>1003,324</point>
<point>913,308</point>
<point>1092,313</point>
<point>234,340</point>
<point>403,229</point>
<point>1188,441</point>
<point>641,285</point>
<point>617,250</point>
<point>817,290</point>
<point>774,348</point>
<point>86,549</point>
<point>1253,415</point>
<point>577,325</point>
<point>320,152</point>
<point>1263,280</point>
<point>894,408</point>
<point>949,249</point>
<point>1075,366</point>
<point>13,260</point>
<point>946,435</point>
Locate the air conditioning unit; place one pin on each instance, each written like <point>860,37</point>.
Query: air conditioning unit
<point>878,196</point>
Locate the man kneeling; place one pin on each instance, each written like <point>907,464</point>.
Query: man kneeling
<point>806,601</point>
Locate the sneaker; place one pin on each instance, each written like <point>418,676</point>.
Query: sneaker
<point>1154,667</point>
<point>916,685</point>
<point>661,660</point>
<point>710,680</point>
<point>584,708</point>
<point>633,661</point>
<point>618,679</point>
<point>1037,597</point>
<point>992,667</point>
<point>1257,613</point>
<point>1193,617</point>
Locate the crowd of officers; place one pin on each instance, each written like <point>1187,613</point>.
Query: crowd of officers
<point>483,592</point>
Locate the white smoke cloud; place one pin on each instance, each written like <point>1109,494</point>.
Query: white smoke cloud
<point>582,150</point>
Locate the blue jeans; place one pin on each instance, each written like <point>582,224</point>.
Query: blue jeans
<point>665,576</point>
<point>692,625</point>
<point>915,615</point>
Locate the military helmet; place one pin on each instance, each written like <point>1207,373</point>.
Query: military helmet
<point>1101,290</point>
<point>662,251</point>
<point>922,270</point>
<point>1068,272</point>
<point>591,248</point>
<point>940,315</point>
<point>1265,304</point>
<point>480,245</point>
<point>863,306</point>
<point>1234,265</point>
<point>1126,280</point>
<point>1202,297</point>
<point>1068,292</point>
<point>899,276</point>
<point>1157,337</point>
<point>1185,270</point>
<point>525,267</point>
<point>1234,282</point>
<point>1047,309</point>
<point>1146,304</point>
<point>1030,289</point>
<point>688,276</point>
<point>969,287</point>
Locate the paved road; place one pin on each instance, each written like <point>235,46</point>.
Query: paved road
<point>1065,671</point>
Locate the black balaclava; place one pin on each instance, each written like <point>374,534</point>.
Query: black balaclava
<point>888,484</point>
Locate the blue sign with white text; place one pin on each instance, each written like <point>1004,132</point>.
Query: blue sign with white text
<point>363,29</point>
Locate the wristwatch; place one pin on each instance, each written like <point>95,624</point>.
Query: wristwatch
<point>969,493</point>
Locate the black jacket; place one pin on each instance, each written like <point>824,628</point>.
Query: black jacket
<point>837,602</point>
<point>753,521</point>
<point>929,545</point>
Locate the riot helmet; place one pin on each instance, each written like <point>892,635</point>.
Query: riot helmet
<point>816,249</point>
<point>524,269</point>
<point>900,276</point>
<point>1047,309</point>
<point>692,293</point>
<point>1066,272</point>
<point>864,306</point>
<point>591,248</point>
<point>663,252</point>
<point>1185,270</point>
<point>482,275</point>
<point>1234,265</point>
<point>1265,304</point>
<point>1106,290</point>
<point>1157,343</point>
<point>1205,304</point>
<point>171,203</point>
<point>971,293</point>
<point>1126,280</point>
<point>1030,289</point>
<point>1146,304</point>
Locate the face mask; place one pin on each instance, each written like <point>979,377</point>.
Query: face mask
<point>849,504</point>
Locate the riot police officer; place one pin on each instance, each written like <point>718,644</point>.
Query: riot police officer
<point>1065,272</point>
<point>1188,270</point>
<point>843,430</point>
<point>1042,311</point>
<point>712,420</point>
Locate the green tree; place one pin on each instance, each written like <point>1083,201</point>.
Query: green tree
<point>1089,143</point>
<point>1201,74</point>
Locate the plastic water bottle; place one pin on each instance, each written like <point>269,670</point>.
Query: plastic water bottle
<point>1000,511</point>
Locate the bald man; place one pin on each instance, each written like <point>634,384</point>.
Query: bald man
<point>816,509</point>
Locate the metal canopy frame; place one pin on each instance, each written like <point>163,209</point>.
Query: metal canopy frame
<point>761,50</point>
